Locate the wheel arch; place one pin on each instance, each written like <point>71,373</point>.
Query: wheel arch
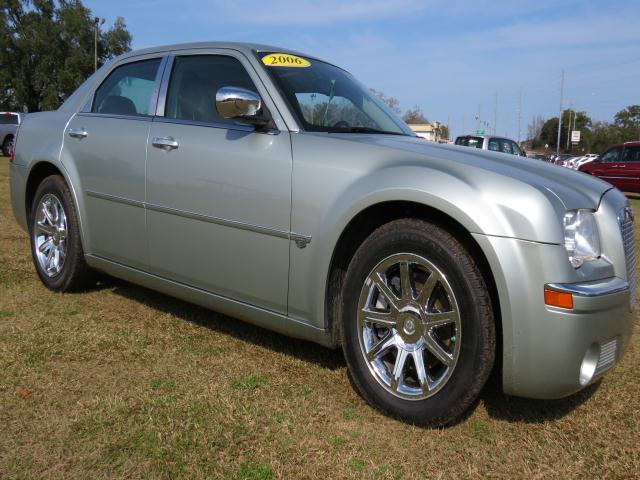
<point>37,173</point>
<point>376,215</point>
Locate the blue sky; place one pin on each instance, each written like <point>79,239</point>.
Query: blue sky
<point>446,57</point>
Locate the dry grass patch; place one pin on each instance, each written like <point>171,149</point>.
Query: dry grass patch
<point>122,382</point>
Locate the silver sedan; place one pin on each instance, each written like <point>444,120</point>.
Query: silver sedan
<point>273,187</point>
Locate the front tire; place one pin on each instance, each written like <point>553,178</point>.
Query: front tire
<point>418,331</point>
<point>56,246</point>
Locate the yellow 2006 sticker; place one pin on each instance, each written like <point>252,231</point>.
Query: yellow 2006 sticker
<point>284,60</point>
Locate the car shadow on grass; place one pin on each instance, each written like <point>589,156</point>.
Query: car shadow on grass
<point>301,349</point>
<point>525,410</point>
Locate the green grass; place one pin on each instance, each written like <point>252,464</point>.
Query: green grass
<point>122,382</point>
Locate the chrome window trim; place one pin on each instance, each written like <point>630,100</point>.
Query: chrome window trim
<point>224,126</point>
<point>164,85</point>
<point>153,101</point>
<point>591,289</point>
<point>88,105</point>
<point>300,240</point>
<point>142,118</point>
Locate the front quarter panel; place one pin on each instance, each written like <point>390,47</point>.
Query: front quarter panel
<point>335,178</point>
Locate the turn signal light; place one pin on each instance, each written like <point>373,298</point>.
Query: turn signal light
<point>558,299</point>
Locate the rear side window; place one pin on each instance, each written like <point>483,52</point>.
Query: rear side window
<point>128,89</point>
<point>195,80</point>
<point>8,119</point>
<point>612,155</point>
<point>631,154</point>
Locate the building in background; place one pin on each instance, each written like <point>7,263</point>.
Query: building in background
<point>430,131</point>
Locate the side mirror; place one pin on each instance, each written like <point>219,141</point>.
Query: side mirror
<point>242,104</point>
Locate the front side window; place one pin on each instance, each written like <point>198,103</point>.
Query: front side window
<point>325,98</point>
<point>195,80</point>
<point>505,146</point>
<point>612,155</point>
<point>631,154</point>
<point>494,145</point>
<point>516,149</point>
<point>128,89</point>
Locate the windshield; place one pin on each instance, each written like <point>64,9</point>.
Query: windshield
<point>325,98</point>
<point>470,141</point>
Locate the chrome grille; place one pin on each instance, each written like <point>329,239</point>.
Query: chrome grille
<point>607,357</point>
<point>625,219</point>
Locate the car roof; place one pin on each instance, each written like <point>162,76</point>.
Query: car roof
<point>244,47</point>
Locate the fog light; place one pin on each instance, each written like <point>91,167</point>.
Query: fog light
<point>589,364</point>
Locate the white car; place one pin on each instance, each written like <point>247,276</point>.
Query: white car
<point>590,157</point>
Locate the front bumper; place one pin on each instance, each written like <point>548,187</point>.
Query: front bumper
<point>550,352</point>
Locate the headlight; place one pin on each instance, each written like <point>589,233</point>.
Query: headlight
<point>581,237</point>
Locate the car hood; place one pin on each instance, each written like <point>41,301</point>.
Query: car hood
<point>572,188</point>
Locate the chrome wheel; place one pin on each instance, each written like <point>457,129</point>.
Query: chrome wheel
<point>50,235</point>
<point>409,326</point>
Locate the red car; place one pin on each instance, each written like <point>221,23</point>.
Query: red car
<point>620,166</point>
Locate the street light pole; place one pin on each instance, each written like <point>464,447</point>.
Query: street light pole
<point>97,21</point>
<point>560,116</point>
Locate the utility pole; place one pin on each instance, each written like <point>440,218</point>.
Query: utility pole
<point>495,116</point>
<point>560,116</point>
<point>478,118</point>
<point>519,114</point>
<point>97,21</point>
<point>569,126</point>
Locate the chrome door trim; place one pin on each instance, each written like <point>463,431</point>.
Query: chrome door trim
<point>115,198</point>
<point>218,221</point>
<point>301,241</point>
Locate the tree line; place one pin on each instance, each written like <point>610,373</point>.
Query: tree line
<point>594,136</point>
<point>47,51</point>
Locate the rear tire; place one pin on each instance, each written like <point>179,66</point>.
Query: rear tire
<point>56,246</point>
<point>418,331</point>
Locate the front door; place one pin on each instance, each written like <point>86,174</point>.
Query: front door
<point>107,146</point>
<point>610,168</point>
<point>218,192</point>
<point>630,169</point>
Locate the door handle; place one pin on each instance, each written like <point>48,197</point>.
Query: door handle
<point>77,132</point>
<point>165,143</point>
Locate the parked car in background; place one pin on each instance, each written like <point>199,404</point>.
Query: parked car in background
<point>489,142</point>
<point>620,166</point>
<point>204,171</point>
<point>9,123</point>
<point>589,157</point>
<point>559,159</point>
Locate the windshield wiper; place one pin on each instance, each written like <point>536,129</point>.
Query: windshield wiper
<point>364,130</point>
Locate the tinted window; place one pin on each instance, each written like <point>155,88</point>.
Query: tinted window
<point>612,155</point>
<point>470,141</point>
<point>494,145</point>
<point>631,154</point>
<point>128,89</point>
<point>8,119</point>
<point>194,83</point>
<point>505,146</point>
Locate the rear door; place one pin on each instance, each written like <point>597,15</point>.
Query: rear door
<point>219,200</point>
<point>106,144</point>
